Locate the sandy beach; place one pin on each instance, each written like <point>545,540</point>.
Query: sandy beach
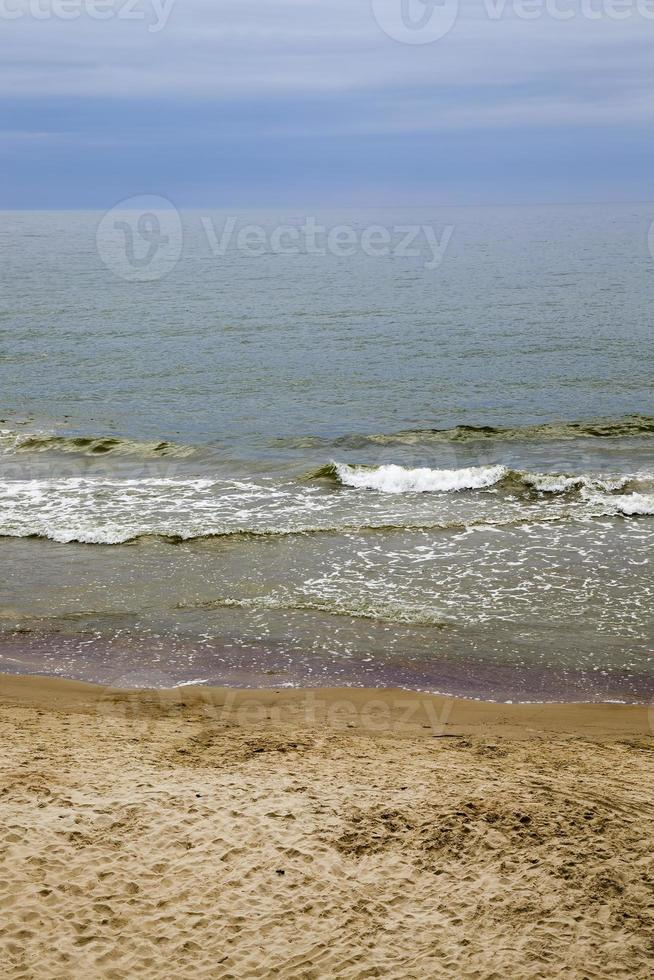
<point>326,381</point>
<point>212,833</point>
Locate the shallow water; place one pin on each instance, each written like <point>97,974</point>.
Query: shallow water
<point>315,469</point>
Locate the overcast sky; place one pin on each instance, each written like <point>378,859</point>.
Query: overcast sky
<point>312,102</point>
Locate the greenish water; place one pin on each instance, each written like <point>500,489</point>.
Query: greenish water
<point>334,469</point>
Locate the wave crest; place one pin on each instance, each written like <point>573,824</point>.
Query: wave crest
<point>560,483</point>
<point>392,478</point>
<point>399,479</point>
<point>631,426</point>
<point>627,504</point>
<point>13,442</point>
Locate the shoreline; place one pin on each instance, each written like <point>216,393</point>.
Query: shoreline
<point>128,660</point>
<point>371,710</point>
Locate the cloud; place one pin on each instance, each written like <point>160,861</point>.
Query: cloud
<point>228,79</point>
<point>244,48</point>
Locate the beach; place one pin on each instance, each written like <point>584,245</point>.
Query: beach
<point>326,491</point>
<point>249,512</point>
<point>206,832</point>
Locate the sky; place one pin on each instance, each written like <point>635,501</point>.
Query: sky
<point>265,103</point>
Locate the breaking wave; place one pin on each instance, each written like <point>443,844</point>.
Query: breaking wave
<point>352,499</point>
<point>400,479</point>
<point>629,505</point>
<point>559,483</point>
<point>392,478</point>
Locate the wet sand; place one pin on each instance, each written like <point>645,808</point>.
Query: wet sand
<point>207,832</point>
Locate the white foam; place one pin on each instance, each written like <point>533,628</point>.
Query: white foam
<point>633,504</point>
<point>559,483</point>
<point>394,612</point>
<point>398,479</point>
<point>113,511</point>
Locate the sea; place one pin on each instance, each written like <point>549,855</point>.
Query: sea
<point>414,449</point>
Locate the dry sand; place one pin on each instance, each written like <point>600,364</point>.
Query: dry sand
<point>205,833</point>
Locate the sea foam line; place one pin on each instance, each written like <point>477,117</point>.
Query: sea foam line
<point>392,478</point>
